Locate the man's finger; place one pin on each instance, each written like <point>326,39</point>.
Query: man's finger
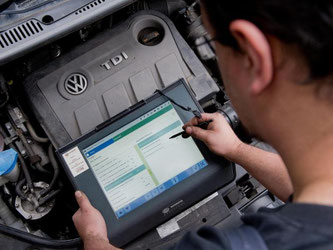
<point>192,122</point>
<point>83,201</point>
<point>204,117</point>
<point>198,133</point>
<point>207,116</point>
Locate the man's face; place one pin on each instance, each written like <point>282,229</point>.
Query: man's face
<point>234,78</point>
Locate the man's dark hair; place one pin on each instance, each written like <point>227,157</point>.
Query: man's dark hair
<point>308,24</point>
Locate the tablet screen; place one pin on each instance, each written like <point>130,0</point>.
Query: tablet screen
<point>138,161</point>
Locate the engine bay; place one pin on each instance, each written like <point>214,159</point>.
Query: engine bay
<point>78,77</point>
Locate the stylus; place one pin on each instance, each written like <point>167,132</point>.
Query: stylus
<point>202,125</point>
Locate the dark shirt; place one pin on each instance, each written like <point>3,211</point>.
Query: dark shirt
<point>292,226</point>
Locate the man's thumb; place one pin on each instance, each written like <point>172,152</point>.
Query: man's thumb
<point>82,200</point>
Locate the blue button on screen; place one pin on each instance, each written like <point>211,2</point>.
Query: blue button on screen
<point>120,213</point>
<point>161,188</point>
<point>155,192</point>
<point>175,180</point>
<point>148,196</point>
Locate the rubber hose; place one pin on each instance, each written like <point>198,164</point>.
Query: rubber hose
<point>34,135</point>
<point>26,172</point>
<point>55,166</point>
<point>49,197</point>
<point>18,189</point>
<point>39,241</point>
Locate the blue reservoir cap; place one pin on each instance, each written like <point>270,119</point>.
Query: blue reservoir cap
<point>8,160</point>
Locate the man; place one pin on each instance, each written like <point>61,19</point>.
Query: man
<point>276,60</point>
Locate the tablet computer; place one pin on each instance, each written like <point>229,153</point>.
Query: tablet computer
<point>138,177</point>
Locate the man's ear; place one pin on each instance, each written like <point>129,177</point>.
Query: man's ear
<point>257,54</point>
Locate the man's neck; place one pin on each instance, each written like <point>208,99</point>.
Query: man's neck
<point>299,124</point>
<point>320,192</point>
<point>310,168</point>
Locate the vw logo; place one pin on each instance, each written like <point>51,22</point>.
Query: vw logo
<point>76,84</point>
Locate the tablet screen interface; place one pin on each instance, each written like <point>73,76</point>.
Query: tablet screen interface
<point>139,162</point>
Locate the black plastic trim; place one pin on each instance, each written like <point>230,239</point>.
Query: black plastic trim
<point>10,50</point>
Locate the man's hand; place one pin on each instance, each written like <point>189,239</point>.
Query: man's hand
<point>266,167</point>
<point>90,224</point>
<point>219,137</point>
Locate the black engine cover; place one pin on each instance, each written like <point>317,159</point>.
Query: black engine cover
<point>111,72</point>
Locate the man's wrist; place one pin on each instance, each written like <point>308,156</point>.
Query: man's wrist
<point>237,151</point>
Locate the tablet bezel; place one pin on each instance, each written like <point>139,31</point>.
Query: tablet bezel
<point>217,174</point>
